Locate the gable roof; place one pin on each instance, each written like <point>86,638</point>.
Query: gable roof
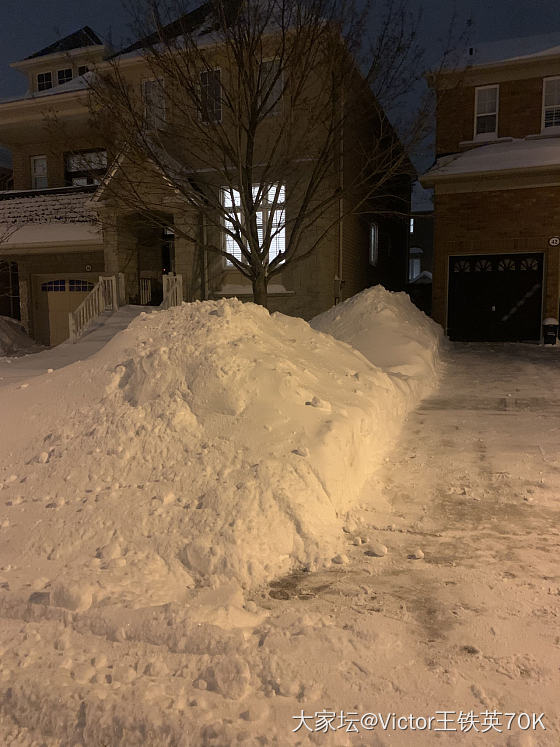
<point>84,37</point>
<point>200,19</point>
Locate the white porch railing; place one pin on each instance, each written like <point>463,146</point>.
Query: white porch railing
<point>145,291</point>
<point>172,290</point>
<point>103,297</point>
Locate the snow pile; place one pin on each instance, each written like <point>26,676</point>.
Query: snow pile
<point>14,339</point>
<point>216,443</point>
<point>391,332</point>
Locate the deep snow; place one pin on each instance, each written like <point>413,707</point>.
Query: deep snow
<point>153,491</point>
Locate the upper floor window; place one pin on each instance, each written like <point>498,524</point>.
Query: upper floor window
<point>211,96</point>
<point>486,113</point>
<point>271,86</point>
<point>64,75</point>
<point>85,167</point>
<point>44,81</point>
<point>39,177</point>
<point>551,103</point>
<point>153,96</point>
<point>411,225</point>
<point>270,214</point>
<point>373,244</point>
<point>83,69</point>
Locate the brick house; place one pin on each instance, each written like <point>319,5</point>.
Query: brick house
<point>65,231</point>
<point>497,191</point>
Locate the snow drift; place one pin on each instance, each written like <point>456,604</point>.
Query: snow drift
<point>13,338</point>
<point>217,443</point>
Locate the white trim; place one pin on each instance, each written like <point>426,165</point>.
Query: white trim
<point>44,72</point>
<point>486,135</point>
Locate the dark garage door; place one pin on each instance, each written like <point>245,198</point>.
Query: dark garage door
<point>495,297</point>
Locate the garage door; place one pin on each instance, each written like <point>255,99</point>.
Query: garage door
<point>495,297</point>
<point>55,299</point>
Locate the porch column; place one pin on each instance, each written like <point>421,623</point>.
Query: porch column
<point>187,259</point>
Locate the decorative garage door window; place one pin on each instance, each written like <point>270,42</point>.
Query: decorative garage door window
<point>462,265</point>
<point>483,265</point>
<point>54,285</point>
<point>80,286</point>
<point>529,265</point>
<point>505,265</point>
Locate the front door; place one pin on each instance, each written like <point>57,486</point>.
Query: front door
<point>495,297</point>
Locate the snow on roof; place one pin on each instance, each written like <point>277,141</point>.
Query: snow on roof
<point>64,205</point>
<point>496,157</point>
<point>84,37</point>
<point>514,49</point>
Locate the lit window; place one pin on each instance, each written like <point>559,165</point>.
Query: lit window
<point>153,96</point>
<point>270,215</point>
<point>211,96</point>
<point>411,225</point>
<point>64,75</point>
<point>551,103</point>
<point>413,268</point>
<point>486,113</point>
<point>39,176</point>
<point>373,244</point>
<point>44,81</point>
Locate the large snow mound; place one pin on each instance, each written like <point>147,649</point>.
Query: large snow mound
<point>391,332</point>
<point>13,338</point>
<point>209,443</point>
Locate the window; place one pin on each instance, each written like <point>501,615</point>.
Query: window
<point>373,244</point>
<point>85,167</point>
<point>211,96</point>
<point>80,286</point>
<point>64,75</point>
<point>271,85</point>
<point>83,69</point>
<point>551,103</point>
<point>270,214</point>
<point>413,268</point>
<point>39,177</point>
<point>411,225</point>
<point>486,113</point>
<point>44,81</point>
<point>51,286</point>
<point>153,96</point>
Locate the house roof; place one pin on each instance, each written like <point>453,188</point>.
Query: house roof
<point>514,155</point>
<point>509,50</point>
<point>47,206</point>
<point>84,37</point>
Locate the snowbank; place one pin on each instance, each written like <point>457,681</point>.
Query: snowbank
<point>216,443</point>
<point>14,339</point>
<point>392,333</point>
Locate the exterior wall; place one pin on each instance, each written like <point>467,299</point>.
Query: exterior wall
<point>505,221</point>
<point>519,113</point>
<point>54,152</point>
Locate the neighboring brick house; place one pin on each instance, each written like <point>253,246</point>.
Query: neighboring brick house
<point>421,247</point>
<point>60,251</point>
<point>497,191</point>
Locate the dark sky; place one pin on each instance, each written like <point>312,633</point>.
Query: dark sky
<point>28,25</point>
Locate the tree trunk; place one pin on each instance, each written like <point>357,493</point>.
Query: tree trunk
<point>260,293</point>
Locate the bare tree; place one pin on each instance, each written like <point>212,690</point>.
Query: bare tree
<point>266,118</point>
